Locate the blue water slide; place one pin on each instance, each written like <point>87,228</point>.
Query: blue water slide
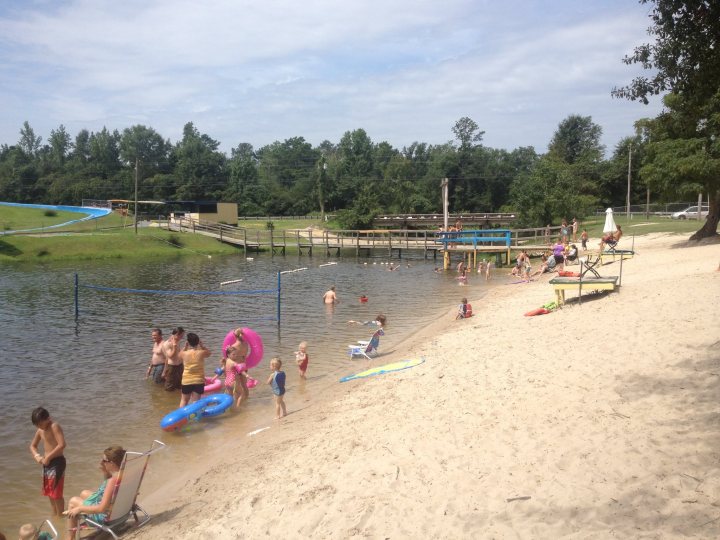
<point>89,211</point>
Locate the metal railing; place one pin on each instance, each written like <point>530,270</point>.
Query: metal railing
<point>654,209</point>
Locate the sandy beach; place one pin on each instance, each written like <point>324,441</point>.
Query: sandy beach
<point>599,420</point>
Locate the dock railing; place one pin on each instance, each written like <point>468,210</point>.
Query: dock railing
<point>392,240</point>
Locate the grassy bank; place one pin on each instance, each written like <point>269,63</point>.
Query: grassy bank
<point>284,224</point>
<point>118,244</point>
<point>638,226</point>
<point>17,218</point>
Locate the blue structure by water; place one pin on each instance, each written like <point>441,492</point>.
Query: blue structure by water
<point>90,211</point>
<point>476,237</point>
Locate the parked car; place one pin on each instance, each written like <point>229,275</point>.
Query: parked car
<point>691,213</point>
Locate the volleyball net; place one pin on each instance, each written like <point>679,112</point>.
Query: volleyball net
<point>129,291</point>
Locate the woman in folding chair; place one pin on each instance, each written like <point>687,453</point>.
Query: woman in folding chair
<point>97,503</point>
<point>571,255</point>
<point>611,239</point>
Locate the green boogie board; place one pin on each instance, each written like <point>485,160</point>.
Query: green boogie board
<point>387,368</point>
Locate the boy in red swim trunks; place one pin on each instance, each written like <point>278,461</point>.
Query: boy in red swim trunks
<point>302,358</point>
<point>53,462</point>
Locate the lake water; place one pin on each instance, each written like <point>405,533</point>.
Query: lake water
<point>90,373</point>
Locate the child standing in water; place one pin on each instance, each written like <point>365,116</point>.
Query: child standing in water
<point>277,381</point>
<point>302,358</point>
<point>53,462</point>
<point>235,375</point>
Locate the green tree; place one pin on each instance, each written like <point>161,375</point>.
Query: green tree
<point>288,173</point>
<point>564,182</point>
<point>612,187</point>
<point>467,181</point>
<point>244,186</point>
<point>104,153</point>
<point>29,143</point>
<point>81,149</point>
<point>143,146</point>
<point>363,210</point>
<point>356,167</point>
<point>13,162</point>
<point>682,159</point>
<point>60,145</point>
<point>683,142</point>
<point>552,190</point>
<point>467,132</point>
<point>199,167</point>
<point>577,139</point>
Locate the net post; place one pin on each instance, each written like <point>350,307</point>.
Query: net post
<point>77,310</point>
<point>278,298</point>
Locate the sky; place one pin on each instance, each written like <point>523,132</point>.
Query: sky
<point>246,71</point>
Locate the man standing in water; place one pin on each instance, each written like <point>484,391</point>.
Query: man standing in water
<point>174,367</point>
<point>330,297</point>
<point>158,362</point>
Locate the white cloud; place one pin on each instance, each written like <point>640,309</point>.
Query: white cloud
<point>247,71</point>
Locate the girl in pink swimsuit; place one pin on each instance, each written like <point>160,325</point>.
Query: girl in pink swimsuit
<point>235,375</point>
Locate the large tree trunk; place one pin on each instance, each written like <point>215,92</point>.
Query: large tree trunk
<point>711,223</point>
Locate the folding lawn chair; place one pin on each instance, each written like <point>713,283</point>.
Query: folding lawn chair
<point>588,265</point>
<point>614,252</point>
<point>123,503</point>
<point>52,534</point>
<point>365,348</point>
<point>572,256</point>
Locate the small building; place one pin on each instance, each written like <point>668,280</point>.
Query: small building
<point>216,212</point>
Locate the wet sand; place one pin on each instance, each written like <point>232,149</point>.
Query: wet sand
<point>598,420</point>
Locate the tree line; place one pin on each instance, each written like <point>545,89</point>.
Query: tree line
<point>676,154</point>
<point>354,178</point>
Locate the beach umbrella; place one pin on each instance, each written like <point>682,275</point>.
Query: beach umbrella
<point>609,221</point>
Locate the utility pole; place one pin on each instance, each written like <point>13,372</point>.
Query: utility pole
<point>321,183</point>
<point>444,186</point>
<point>135,213</point>
<point>627,210</point>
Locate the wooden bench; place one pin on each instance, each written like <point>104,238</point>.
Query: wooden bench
<point>561,284</point>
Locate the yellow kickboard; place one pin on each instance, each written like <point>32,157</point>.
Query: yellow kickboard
<point>395,366</point>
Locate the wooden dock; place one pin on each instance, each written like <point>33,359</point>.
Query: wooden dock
<point>392,243</point>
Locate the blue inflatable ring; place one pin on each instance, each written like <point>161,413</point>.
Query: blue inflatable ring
<point>180,417</point>
<point>215,404</point>
<point>202,408</point>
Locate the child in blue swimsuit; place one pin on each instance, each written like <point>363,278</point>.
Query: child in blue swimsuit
<point>277,381</point>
